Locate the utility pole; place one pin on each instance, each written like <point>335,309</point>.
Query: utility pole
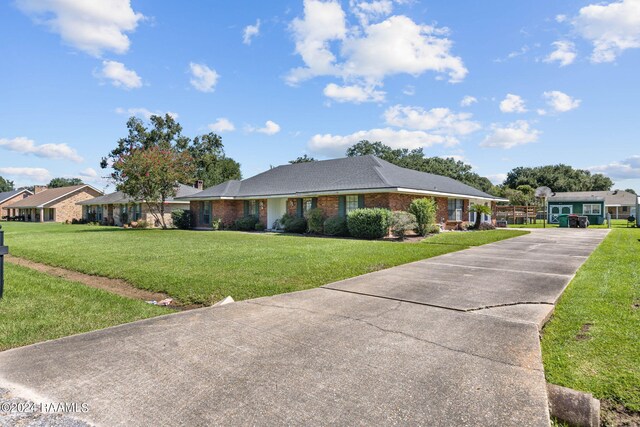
<point>3,251</point>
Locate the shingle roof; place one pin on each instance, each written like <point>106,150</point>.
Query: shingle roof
<point>47,196</point>
<point>338,175</point>
<point>119,197</point>
<point>611,198</point>
<point>6,195</point>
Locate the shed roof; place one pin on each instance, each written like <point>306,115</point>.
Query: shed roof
<point>338,175</point>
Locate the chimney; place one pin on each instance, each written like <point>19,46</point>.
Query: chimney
<point>39,188</point>
<point>199,185</point>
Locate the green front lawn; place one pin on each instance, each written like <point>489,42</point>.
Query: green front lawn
<point>38,307</point>
<point>197,267</point>
<point>593,341</point>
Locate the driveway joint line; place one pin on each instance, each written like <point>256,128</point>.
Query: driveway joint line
<point>495,269</point>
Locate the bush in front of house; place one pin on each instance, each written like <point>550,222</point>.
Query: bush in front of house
<point>181,219</point>
<point>424,211</point>
<point>286,218</point>
<point>401,223</point>
<point>259,227</point>
<point>247,223</point>
<point>336,226</point>
<point>485,226</point>
<point>368,223</point>
<point>296,225</point>
<point>434,229</point>
<point>315,220</point>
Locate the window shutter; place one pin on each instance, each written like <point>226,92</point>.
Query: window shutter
<point>360,201</point>
<point>342,206</point>
<point>299,208</point>
<point>246,208</point>
<point>314,203</point>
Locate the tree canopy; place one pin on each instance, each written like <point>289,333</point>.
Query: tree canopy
<point>559,178</point>
<point>416,160</point>
<point>302,159</point>
<point>631,190</point>
<point>6,185</point>
<point>64,182</point>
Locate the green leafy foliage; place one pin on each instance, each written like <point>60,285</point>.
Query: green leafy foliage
<point>368,223</point>
<point>480,210</point>
<point>424,211</point>
<point>248,223</point>
<point>181,219</point>
<point>559,178</point>
<point>315,220</point>
<point>401,223</point>
<point>302,159</point>
<point>336,226</point>
<point>210,162</point>
<point>296,225</point>
<point>6,185</point>
<point>64,182</point>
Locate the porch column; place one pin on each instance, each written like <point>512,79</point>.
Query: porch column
<point>617,212</point>
<point>41,214</point>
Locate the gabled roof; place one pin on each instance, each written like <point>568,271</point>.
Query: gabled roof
<point>6,195</point>
<point>119,198</point>
<point>363,173</point>
<point>48,196</point>
<point>611,198</point>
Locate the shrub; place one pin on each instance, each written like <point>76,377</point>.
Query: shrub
<point>484,226</point>
<point>368,223</point>
<point>286,218</point>
<point>181,219</point>
<point>139,224</point>
<point>296,225</point>
<point>401,222</point>
<point>434,229</point>
<point>315,220</point>
<point>336,226</point>
<point>216,224</point>
<point>425,212</point>
<point>248,223</point>
<point>259,227</point>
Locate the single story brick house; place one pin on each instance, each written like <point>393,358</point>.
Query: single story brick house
<point>336,186</point>
<point>119,209</point>
<point>9,197</point>
<point>53,204</point>
<point>620,204</point>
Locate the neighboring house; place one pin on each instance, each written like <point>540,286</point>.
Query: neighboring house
<point>620,204</point>
<point>119,209</point>
<point>337,187</point>
<point>9,197</point>
<point>53,205</point>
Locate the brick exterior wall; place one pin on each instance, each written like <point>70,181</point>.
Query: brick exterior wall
<point>10,212</point>
<point>67,209</point>
<point>329,205</point>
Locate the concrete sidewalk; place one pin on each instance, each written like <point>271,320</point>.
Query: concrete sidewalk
<point>452,340</point>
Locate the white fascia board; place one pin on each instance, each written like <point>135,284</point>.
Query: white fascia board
<point>442,194</point>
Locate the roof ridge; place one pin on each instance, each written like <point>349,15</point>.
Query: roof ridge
<point>378,169</point>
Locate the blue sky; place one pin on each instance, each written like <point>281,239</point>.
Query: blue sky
<point>497,84</point>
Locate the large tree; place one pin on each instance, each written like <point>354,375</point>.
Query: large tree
<point>211,164</point>
<point>6,185</point>
<point>64,182</point>
<point>558,178</point>
<point>302,159</point>
<point>415,159</point>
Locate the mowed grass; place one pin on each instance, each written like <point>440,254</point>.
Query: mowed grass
<point>38,307</point>
<point>593,341</point>
<point>615,223</point>
<point>196,267</point>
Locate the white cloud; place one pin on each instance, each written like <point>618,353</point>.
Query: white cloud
<point>50,151</point>
<point>221,125</point>
<point>497,178</point>
<point>611,28</point>
<point>409,90</point>
<point>37,174</point>
<point>565,53</point>
<point>250,31</point>
<point>366,54</point>
<point>88,173</point>
<point>439,121</point>
<point>90,26</point>
<point>336,145</point>
<point>513,104</point>
<point>468,100</point>
<point>119,75</point>
<point>511,135</point>
<point>561,18</point>
<point>144,113</point>
<point>628,168</point>
<point>353,93</point>
<point>203,78</point>
<point>561,102</point>
<point>270,128</point>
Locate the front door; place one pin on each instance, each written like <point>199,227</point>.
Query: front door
<point>557,210</point>
<point>275,209</point>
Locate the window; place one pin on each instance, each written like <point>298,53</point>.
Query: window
<point>625,208</point>
<point>124,216</point>
<point>99,213</point>
<point>351,203</point>
<point>51,216</point>
<point>206,212</point>
<point>591,209</point>
<point>307,204</point>
<point>455,209</point>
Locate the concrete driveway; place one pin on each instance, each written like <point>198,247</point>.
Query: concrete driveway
<point>452,340</point>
